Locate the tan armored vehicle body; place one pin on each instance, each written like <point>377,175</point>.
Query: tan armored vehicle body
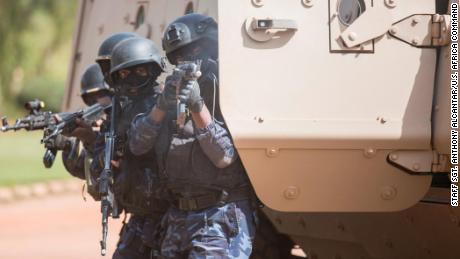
<point>340,110</point>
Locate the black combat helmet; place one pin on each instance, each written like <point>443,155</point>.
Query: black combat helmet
<point>132,53</point>
<point>189,30</point>
<point>105,50</point>
<point>92,84</point>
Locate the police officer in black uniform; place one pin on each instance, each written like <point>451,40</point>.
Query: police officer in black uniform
<point>76,159</point>
<point>94,88</point>
<point>211,214</point>
<point>135,65</point>
<point>104,54</point>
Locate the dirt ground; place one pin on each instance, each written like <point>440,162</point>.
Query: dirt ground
<point>54,227</point>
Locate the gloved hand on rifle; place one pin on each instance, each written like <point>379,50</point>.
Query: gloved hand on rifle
<point>83,132</point>
<point>168,97</point>
<point>189,94</point>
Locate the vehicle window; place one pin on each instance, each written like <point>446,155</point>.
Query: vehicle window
<point>140,17</point>
<point>350,10</point>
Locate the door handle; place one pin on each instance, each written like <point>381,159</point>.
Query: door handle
<point>265,29</point>
<point>273,24</point>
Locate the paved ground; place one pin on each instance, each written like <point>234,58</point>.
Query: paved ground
<point>56,227</point>
<point>53,227</point>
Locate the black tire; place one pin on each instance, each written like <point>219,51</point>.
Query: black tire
<point>268,243</point>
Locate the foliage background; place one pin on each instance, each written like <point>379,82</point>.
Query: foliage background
<point>35,49</point>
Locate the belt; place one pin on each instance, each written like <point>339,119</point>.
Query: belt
<point>212,199</point>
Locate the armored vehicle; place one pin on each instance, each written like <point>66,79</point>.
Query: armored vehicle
<point>340,111</point>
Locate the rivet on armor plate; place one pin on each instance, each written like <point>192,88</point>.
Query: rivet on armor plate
<point>272,152</point>
<point>370,152</point>
<point>291,193</point>
<point>416,166</point>
<point>388,193</point>
<point>258,3</point>
<point>416,20</point>
<point>307,3</point>
<point>394,30</point>
<point>415,41</point>
<point>394,157</point>
<point>352,36</point>
<point>390,3</point>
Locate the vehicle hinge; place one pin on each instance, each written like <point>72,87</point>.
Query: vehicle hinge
<point>440,30</point>
<point>423,30</point>
<point>441,163</point>
<point>419,161</point>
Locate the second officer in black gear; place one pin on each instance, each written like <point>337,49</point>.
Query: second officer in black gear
<point>104,54</point>
<point>211,214</point>
<point>94,88</point>
<point>135,65</point>
<point>77,159</point>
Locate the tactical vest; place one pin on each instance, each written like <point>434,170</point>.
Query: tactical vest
<point>137,183</point>
<point>189,172</point>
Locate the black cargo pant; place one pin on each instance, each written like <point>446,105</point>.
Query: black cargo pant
<point>139,238</point>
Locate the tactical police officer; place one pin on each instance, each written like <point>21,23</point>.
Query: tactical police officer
<point>135,65</point>
<point>96,86</point>
<point>92,90</point>
<point>75,158</point>
<point>104,54</point>
<point>211,214</point>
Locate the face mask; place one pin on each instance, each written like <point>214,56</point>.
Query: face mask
<point>133,83</point>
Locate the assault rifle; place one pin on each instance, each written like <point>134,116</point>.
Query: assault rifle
<point>36,120</point>
<point>184,71</point>
<point>108,202</point>
<point>52,124</point>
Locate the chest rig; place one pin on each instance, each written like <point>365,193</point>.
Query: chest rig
<point>137,182</point>
<point>193,181</point>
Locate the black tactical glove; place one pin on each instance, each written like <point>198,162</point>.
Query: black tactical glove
<point>60,142</point>
<point>168,96</point>
<point>190,95</point>
<point>83,132</point>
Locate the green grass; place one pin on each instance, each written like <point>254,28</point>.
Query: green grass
<point>21,160</point>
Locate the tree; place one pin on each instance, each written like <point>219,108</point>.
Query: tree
<point>31,30</point>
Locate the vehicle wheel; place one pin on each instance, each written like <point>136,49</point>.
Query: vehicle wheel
<point>268,243</point>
